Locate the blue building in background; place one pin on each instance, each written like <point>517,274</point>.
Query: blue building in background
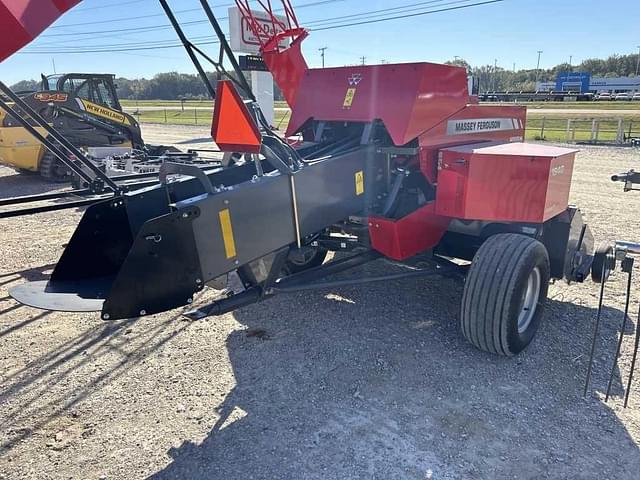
<point>573,82</point>
<point>583,82</point>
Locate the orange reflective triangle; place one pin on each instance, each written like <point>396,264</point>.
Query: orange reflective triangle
<point>233,129</point>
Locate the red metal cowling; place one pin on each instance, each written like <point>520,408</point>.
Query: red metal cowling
<point>409,98</point>
<point>23,20</point>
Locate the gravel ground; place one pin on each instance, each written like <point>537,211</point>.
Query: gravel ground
<point>360,382</point>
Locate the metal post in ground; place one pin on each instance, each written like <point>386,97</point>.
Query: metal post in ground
<point>195,115</point>
<point>620,133</point>
<point>165,115</point>
<point>636,343</point>
<point>594,134</point>
<point>544,119</point>
<point>568,129</point>
<point>595,334</point>
<point>627,267</point>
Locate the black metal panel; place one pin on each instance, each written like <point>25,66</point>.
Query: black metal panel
<point>261,214</point>
<point>326,191</point>
<point>561,236</point>
<point>162,270</point>
<point>98,246</point>
<point>145,204</point>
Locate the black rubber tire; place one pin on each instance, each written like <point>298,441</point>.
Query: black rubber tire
<point>53,170</point>
<point>315,257</point>
<point>494,291</point>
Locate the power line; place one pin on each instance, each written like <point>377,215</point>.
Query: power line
<point>408,7</point>
<point>459,7</point>
<point>164,26</point>
<point>111,5</point>
<point>148,28</point>
<point>210,37</point>
<point>162,44</point>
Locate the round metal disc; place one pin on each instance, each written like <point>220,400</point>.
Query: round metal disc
<point>80,296</point>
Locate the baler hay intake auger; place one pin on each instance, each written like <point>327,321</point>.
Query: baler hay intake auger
<point>391,161</point>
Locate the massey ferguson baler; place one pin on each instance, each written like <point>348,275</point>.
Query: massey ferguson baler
<point>390,162</point>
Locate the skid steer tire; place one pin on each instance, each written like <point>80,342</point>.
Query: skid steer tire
<point>505,293</point>
<point>53,170</point>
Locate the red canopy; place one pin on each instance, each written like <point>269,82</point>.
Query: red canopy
<point>23,20</point>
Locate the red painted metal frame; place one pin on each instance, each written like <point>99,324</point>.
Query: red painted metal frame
<point>23,20</point>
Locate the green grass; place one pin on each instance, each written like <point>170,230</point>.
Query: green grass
<point>192,116</point>
<point>611,105</point>
<point>555,128</point>
<point>130,104</point>
<point>164,103</point>
<point>555,125</point>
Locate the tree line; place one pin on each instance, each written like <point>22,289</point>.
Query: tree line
<point>501,79</point>
<point>176,86</point>
<point>162,86</point>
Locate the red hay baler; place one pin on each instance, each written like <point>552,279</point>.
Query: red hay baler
<point>394,162</point>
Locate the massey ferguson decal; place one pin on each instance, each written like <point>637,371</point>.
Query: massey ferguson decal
<point>481,125</point>
<point>355,79</point>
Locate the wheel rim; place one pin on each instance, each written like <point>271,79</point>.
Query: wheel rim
<point>302,258</point>
<point>529,300</point>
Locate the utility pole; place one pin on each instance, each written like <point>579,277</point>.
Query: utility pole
<point>53,62</point>
<point>570,59</point>
<point>514,67</point>
<point>322,50</point>
<point>638,64</point>
<point>363,58</point>
<point>538,68</point>
<point>495,74</point>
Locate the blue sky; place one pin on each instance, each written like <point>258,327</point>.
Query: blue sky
<point>509,31</point>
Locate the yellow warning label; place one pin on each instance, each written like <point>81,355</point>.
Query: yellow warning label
<point>359,182</point>
<point>227,233</point>
<point>105,112</point>
<point>348,98</point>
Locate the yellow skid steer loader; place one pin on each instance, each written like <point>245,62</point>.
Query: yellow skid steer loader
<point>83,107</point>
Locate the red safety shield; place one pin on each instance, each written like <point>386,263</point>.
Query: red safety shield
<point>233,128</point>
<point>23,20</point>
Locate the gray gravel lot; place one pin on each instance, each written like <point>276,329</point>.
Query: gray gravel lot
<point>370,382</point>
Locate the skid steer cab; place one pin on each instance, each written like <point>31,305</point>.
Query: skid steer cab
<point>83,107</point>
